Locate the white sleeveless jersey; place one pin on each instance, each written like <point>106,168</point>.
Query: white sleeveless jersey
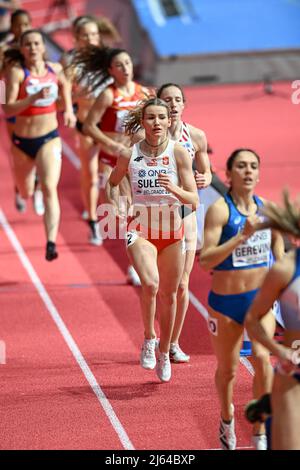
<point>186,141</point>
<point>144,170</point>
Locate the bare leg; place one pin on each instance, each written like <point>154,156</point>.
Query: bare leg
<point>48,163</point>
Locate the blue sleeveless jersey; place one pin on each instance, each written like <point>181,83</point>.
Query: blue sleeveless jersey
<point>255,252</point>
<point>290,299</point>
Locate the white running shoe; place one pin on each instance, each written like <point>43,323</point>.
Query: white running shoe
<point>177,355</point>
<point>163,367</point>
<point>20,203</point>
<point>260,442</point>
<point>95,235</point>
<point>227,434</point>
<point>38,202</point>
<point>85,215</point>
<point>133,277</point>
<point>148,358</point>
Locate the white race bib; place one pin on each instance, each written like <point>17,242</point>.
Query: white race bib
<point>255,250</point>
<point>121,115</point>
<point>43,102</point>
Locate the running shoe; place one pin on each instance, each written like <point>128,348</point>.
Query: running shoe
<point>260,442</point>
<point>148,358</point>
<point>85,215</point>
<point>20,203</point>
<point>133,277</point>
<point>227,434</point>
<point>177,355</point>
<point>95,235</point>
<point>51,252</point>
<point>38,202</point>
<point>259,409</point>
<point>163,367</point>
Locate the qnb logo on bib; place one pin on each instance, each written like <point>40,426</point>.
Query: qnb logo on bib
<point>254,251</point>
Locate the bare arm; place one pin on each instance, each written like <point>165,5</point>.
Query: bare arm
<point>277,245</point>
<point>91,128</point>
<point>65,90</point>
<point>274,283</point>
<point>216,218</point>
<point>14,106</point>
<point>203,174</point>
<point>187,192</point>
<point>277,239</point>
<point>118,173</point>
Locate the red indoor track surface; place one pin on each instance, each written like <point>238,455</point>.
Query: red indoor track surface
<point>46,400</point>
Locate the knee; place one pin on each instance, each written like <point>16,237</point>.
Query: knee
<point>49,189</point>
<point>261,360</point>
<point>168,298</point>
<point>226,374</point>
<point>183,287</point>
<point>150,288</point>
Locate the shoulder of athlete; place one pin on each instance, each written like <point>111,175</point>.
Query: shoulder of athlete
<point>218,212</point>
<point>198,137</point>
<point>15,73</point>
<point>181,153</point>
<point>56,67</point>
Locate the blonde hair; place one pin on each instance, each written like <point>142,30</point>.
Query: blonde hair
<point>134,118</point>
<point>287,218</point>
<point>108,30</point>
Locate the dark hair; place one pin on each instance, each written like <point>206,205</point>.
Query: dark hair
<point>31,31</point>
<point>14,55</point>
<point>95,60</point>
<point>234,155</point>
<point>167,85</point>
<point>17,13</point>
<point>135,116</point>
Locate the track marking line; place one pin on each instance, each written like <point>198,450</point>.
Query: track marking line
<point>104,402</point>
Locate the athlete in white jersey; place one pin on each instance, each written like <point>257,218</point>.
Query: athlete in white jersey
<point>161,180</point>
<point>283,283</point>
<point>194,141</point>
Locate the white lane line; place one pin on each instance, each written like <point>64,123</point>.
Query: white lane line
<point>116,424</point>
<point>202,310</point>
<point>71,155</point>
<point>73,158</point>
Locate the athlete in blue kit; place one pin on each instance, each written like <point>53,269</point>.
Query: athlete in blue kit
<point>239,257</point>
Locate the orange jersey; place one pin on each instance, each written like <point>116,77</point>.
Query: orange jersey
<point>113,118</point>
